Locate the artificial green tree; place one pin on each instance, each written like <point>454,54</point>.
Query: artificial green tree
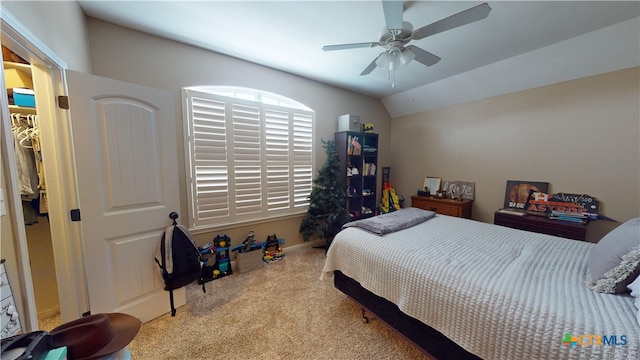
<point>327,212</point>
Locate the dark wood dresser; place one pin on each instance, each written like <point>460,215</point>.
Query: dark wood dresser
<point>543,225</point>
<point>452,207</point>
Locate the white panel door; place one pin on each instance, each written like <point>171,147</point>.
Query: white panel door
<point>124,139</point>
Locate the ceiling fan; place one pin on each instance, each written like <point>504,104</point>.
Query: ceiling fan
<point>397,33</point>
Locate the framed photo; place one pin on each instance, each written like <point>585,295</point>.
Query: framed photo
<point>432,184</point>
<point>519,193</point>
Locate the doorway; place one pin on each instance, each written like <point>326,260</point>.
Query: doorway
<point>64,263</point>
<point>32,186</point>
<point>118,229</point>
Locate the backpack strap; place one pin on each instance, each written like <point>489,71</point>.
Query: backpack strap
<point>162,263</point>
<point>165,252</point>
<point>165,243</point>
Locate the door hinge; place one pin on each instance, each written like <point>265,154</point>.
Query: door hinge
<point>85,314</point>
<point>63,102</point>
<point>75,214</point>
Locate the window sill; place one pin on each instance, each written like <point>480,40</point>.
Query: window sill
<point>232,225</point>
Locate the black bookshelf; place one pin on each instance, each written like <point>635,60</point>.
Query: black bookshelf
<point>358,154</point>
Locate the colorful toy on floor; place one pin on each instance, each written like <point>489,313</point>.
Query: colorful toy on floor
<point>249,244</point>
<point>273,249</point>
<point>218,252</point>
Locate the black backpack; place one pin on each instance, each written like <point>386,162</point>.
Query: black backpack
<point>178,258</point>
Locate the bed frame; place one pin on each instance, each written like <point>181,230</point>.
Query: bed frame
<point>429,340</point>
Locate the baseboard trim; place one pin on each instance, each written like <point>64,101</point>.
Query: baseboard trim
<point>318,242</point>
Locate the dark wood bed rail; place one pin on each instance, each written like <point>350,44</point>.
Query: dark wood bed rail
<point>430,341</point>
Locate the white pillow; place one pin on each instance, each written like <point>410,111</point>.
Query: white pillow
<point>635,292</point>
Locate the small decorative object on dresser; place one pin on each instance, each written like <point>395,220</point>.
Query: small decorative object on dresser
<point>458,189</point>
<point>452,207</point>
<point>432,184</point>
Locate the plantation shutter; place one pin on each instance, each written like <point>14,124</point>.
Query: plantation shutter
<point>278,165</point>
<point>246,160</point>
<point>208,169</point>
<point>302,158</point>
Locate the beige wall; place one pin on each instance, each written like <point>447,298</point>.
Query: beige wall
<point>59,25</point>
<point>581,136</point>
<point>132,56</point>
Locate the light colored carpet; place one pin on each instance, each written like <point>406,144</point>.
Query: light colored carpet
<point>280,312</point>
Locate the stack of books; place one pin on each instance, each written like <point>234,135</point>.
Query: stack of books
<point>369,169</point>
<point>353,146</point>
<point>575,217</point>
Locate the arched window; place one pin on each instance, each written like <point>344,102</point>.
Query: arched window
<point>249,155</point>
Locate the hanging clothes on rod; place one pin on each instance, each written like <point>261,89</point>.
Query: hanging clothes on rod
<point>26,134</point>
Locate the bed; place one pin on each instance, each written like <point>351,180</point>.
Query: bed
<point>459,288</point>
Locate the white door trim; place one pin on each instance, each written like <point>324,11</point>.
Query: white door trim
<point>27,298</point>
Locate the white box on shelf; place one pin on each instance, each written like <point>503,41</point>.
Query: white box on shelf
<point>349,122</point>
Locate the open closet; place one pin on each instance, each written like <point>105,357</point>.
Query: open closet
<point>25,128</point>
<point>110,184</point>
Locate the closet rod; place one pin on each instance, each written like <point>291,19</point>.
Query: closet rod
<point>24,115</point>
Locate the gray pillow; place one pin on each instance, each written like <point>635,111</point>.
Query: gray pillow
<point>393,221</point>
<point>635,292</point>
<point>614,262</point>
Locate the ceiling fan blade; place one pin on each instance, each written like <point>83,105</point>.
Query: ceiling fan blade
<point>392,14</point>
<point>407,4</point>
<point>371,66</point>
<point>350,46</point>
<point>423,56</point>
<point>462,18</point>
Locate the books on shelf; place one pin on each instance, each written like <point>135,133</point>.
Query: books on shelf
<point>369,169</point>
<point>353,146</point>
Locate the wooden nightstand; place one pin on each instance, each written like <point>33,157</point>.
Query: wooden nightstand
<point>459,208</point>
<point>542,225</point>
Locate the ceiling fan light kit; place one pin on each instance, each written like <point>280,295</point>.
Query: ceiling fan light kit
<point>392,58</point>
<point>397,33</point>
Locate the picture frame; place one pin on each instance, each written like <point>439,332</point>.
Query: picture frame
<point>519,193</point>
<point>432,184</point>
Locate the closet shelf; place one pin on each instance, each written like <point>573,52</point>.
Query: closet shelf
<point>17,75</point>
<point>14,65</point>
<point>21,109</point>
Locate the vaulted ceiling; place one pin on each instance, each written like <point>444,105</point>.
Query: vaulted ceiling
<point>518,45</point>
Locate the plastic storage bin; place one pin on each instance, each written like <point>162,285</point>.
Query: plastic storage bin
<point>249,261</point>
<point>24,97</point>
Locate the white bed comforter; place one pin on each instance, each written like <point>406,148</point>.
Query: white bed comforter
<point>499,293</point>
